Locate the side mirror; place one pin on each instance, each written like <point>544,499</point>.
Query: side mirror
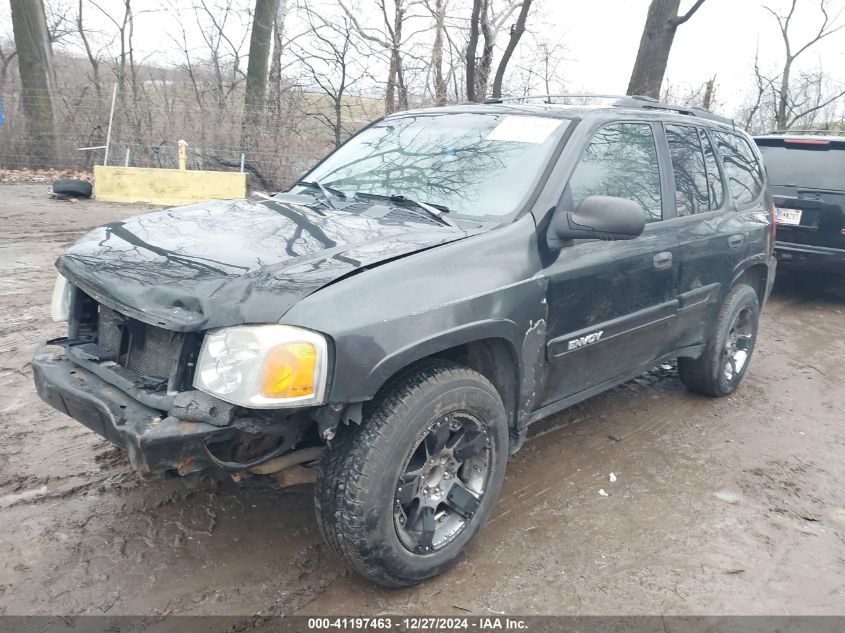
<point>598,217</point>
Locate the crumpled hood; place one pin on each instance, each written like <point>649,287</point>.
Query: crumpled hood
<point>243,261</point>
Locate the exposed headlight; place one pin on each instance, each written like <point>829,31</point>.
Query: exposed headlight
<point>60,303</point>
<point>263,366</point>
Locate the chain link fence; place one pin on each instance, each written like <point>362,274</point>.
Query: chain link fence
<point>147,125</point>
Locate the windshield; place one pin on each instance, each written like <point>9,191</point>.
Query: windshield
<point>811,166</point>
<point>473,164</point>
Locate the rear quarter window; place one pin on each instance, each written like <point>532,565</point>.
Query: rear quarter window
<point>715,184</point>
<point>744,172</point>
<point>691,190</point>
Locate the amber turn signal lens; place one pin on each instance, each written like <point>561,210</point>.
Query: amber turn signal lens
<point>289,371</point>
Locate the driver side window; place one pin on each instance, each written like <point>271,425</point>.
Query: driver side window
<point>620,161</point>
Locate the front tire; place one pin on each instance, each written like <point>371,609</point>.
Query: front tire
<point>722,366</point>
<point>401,496</point>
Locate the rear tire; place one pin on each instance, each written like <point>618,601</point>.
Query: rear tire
<point>401,496</point>
<point>722,366</point>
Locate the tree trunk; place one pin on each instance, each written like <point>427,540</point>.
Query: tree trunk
<point>398,22</point>
<point>472,46</point>
<point>655,45</point>
<point>390,90</point>
<point>396,94</point>
<point>709,92</point>
<point>35,60</point>
<point>276,65</point>
<point>338,119</point>
<point>5,61</point>
<point>781,119</point>
<point>133,77</point>
<point>95,63</point>
<point>402,89</point>
<point>661,24</point>
<point>486,61</point>
<point>260,41</point>
<point>517,31</point>
<point>437,52</point>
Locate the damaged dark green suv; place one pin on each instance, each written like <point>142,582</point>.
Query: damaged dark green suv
<point>400,317</point>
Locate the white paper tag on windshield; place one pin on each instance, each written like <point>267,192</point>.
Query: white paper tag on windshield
<point>524,129</point>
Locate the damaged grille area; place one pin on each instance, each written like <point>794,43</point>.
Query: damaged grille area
<point>161,359</point>
<point>143,349</point>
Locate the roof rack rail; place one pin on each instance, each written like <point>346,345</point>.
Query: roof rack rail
<point>625,101</point>
<point>494,100</point>
<point>650,104</point>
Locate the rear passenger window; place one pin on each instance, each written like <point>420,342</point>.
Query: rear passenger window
<point>715,184</point>
<point>620,161</point>
<point>691,190</point>
<point>745,176</point>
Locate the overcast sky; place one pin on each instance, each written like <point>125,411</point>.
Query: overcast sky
<point>601,39</point>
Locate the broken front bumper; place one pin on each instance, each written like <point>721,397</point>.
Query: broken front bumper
<point>154,441</point>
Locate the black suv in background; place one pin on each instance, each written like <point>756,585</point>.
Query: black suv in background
<point>807,179</point>
<point>401,316</point>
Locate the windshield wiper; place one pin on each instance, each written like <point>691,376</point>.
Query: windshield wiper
<point>435,211</point>
<point>326,191</point>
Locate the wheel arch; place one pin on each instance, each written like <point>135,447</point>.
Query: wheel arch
<point>486,347</point>
<point>756,275</point>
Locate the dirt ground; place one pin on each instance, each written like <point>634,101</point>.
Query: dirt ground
<point>732,506</point>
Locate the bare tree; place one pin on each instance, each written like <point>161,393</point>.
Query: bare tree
<point>256,74</point>
<point>8,53</point>
<point>132,112</point>
<point>488,18</point>
<point>472,47</point>
<point>701,96</point>
<point>212,72</point>
<point>662,22</point>
<point>124,61</point>
<point>224,42</point>
<point>93,58</point>
<point>709,93</point>
<point>485,62</point>
<point>439,80</point>
<point>329,57</point>
<point>447,60</point>
<point>761,85</point>
<point>539,69</point>
<point>788,109</point>
<point>516,33</point>
<point>189,65</point>
<point>391,40</point>
<point>35,61</point>
<point>276,67</point>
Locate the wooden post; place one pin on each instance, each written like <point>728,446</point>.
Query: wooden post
<point>183,155</point>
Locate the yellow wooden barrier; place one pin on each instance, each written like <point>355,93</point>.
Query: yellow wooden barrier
<point>166,186</point>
